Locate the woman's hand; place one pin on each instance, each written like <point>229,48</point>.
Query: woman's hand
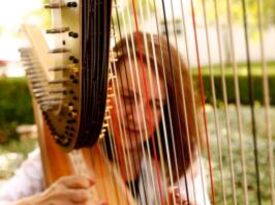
<point>180,199</point>
<point>68,190</point>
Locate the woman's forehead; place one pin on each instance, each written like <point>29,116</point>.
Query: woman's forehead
<point>135,78</point>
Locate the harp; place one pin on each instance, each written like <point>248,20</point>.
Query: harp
<point>174,28</point>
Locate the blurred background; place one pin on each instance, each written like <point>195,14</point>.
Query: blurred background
<point>17,130</point>
<point>18,133</point>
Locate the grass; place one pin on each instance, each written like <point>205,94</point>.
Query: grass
<point>249,157</point>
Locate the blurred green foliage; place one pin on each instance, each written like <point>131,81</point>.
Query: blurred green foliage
<point>24,147</point>
<point>243,89</point>
<point>15,107</point>
<point>242,76</point>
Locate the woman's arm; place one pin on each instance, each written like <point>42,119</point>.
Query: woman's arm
<point>28,180</point>
<point>68,190</point>
<point>25,187</point>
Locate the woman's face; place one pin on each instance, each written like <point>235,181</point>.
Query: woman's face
<point>137,105</point>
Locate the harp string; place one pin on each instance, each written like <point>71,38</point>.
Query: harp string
<point>138,89</point>
<point>183,94</point>
<point>195,111</point>
<point>183,25</point>
<point>114,152</point>
<point>108,145</point>
<point>225,100</point>
<point>155,68</point>
<point>118,107</point>
<point>184,110</point>
<point>202,97</point>
<point>159,95</point>
<point>123,136</point>
<point>155,117</point>
<point>142,89</point>
<point>266,99</point>
<point>129,171</point>
<point>132,75</point>
<point>168,101</point>
<point>146,145</point>
<point>167,148</point>
<point>213,93</point>
<point>191,89</point>
<point>217,124</point>
<point>236,85</point>
<point>165,133</point>
<point>251,101</point>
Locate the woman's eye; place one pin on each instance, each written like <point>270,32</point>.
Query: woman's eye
<point>128,99</point>
<point>157,105</point>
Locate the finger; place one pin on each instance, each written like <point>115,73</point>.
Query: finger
<point>102,203</point>
<point>79,196</point>
<point>76,182</point>
<point>173,190</point>
<point>92,203</point>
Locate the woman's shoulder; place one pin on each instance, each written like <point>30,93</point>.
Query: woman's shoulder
<point>27,180</point>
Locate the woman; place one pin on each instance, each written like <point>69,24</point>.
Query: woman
<point>155,127</point>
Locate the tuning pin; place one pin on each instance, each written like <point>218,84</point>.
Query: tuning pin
<point>25,51</point>
<point>110,95</point>
<point>41,85</point>
<point>56,91</point>
<point>57,30</point>
<point>37,81</point>
<point>109,107</point>
<point>38,90</point>
<point>105,125</point>
<point>47,99</point>
<point>54,5</point>
<point>34,75</point>
<point>40,95</point>
<point>73,34</point>
<point>113,60</point>
<point>60,68</point>
<point>101,136</point>
<point>31,70</point>
<point>47,106</point>
<point>107,117</point>
<point>72,4</point>
<point>111,76</point>
<point>29,65</point>
<point>72,114</point>
<point>53,82</point>
<point>59,50</point>
<point>73,59</point>
<point>112,57</point>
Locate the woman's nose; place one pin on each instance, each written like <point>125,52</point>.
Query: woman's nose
<point>139,113</point>
<point>134,114</point>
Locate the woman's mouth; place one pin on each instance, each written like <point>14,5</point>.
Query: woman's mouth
<point>132,131</point>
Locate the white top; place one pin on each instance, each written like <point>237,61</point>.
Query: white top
<point>28,180</point>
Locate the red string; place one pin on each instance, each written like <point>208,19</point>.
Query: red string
<point>203,101</point>
<point>144,89</point>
